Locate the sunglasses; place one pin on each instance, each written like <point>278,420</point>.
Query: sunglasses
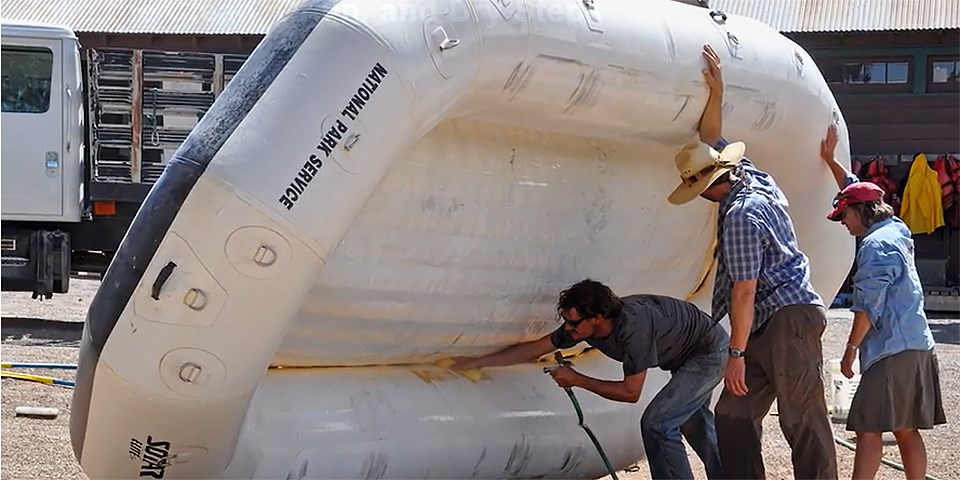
<point>839,198</point>
<point>573,324</point>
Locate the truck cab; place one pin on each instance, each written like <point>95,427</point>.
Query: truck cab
<point>87,131</point>
<point>42,155</point>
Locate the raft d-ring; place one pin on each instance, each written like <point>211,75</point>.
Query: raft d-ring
<point>733,38</point>
<point>448,43</point>
<point>588,4</point>
<point>265,256</point>
<point>351,141</point>
<point>195,299</point>
<point>717,14</point>
<point>190,372</point>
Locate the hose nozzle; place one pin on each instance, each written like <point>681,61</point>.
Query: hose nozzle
<point>560,362</point>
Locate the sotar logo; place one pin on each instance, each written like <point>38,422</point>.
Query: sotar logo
<point>154,456</point>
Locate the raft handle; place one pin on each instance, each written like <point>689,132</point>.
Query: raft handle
<point>161,279</point>
<point>714,14</point>
<point>352,139</point>
<point>448,44</point>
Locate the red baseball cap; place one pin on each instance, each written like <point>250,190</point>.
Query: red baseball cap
<point>855,193</point>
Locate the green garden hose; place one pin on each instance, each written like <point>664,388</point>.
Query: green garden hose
<point>593,438</point>
<point>576,405</point>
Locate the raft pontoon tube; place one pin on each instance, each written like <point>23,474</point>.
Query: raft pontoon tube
<point>385,185</point>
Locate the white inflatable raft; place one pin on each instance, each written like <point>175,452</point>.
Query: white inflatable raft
<point>386,185</point>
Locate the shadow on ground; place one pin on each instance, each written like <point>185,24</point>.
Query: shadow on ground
<point>36,331</point>
<point>946,332</point>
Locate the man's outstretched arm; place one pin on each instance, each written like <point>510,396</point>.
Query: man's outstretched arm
<point>520,353</point>
<point>711,120</point>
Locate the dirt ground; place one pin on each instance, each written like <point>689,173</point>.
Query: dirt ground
<point>50,331</point>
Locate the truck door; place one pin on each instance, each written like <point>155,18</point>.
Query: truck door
<point>32,138</point>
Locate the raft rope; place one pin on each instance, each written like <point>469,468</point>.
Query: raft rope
<point>709,261</point>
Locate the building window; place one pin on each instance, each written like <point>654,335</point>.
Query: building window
<point>26,75</point>
<point>858,73</point>
<point>868,75</point>
<point>945,72</point>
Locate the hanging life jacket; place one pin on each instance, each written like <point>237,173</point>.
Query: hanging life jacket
<point>874,171</point>
<point>948,172</point>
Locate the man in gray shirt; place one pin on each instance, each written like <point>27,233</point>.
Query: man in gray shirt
<point>642,332</point>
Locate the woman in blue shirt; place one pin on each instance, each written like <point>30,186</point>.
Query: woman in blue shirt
<point>899,387</point>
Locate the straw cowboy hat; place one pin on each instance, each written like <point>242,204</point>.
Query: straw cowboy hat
<point>700,165</point>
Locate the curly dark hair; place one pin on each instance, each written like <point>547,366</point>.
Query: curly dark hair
<point>590,298</point>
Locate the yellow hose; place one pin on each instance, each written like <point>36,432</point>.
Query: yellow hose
<point>36,378</point>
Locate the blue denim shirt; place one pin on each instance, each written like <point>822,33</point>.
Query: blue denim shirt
<point>887,288</point>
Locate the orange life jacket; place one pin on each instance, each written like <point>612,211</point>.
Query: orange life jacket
<point>948,172</point>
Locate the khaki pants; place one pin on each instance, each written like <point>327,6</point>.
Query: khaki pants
<point>783,362</point>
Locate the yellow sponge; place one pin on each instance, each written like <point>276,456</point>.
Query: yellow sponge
<point>473,375</point>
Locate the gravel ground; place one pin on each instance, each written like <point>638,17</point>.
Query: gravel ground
<point>47,332</point>
<point>68,307</point>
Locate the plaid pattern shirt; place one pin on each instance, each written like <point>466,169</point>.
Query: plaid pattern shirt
<point>756,240</point>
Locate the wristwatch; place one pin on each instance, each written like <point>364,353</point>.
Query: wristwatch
<point>735,353</point>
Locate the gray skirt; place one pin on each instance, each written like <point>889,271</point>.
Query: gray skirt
<point>899,392</point>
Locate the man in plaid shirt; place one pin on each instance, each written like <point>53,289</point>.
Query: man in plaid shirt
<point>763,283</point>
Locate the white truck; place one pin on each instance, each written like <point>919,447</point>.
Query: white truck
<point>85,134</point>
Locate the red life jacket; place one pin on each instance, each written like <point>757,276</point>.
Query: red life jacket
<point>875,171</point>
<point>948,172</point>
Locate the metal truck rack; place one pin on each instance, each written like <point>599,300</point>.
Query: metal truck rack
<point>142,104</point>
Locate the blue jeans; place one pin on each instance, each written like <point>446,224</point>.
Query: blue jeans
<point>683,407</point>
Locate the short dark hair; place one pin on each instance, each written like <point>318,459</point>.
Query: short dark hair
<point>590,298</point>
<point>873,212</point>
